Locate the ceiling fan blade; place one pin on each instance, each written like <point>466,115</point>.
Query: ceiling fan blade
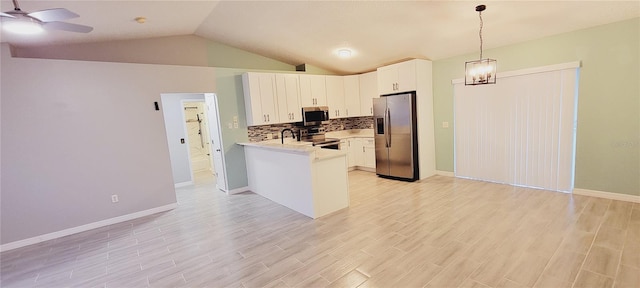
<point>56,14</point>
<point>2,14</point>
<point>67,27</point>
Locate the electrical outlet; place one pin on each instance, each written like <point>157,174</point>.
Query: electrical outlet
<point>114,198</point>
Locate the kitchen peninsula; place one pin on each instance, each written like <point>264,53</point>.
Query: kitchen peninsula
<point>304,178</point>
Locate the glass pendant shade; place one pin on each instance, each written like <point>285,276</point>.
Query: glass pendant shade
<point>21,26</point>
<point>481,71</point>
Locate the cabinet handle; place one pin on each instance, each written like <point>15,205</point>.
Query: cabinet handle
<point>347,112</point>
<point>268,118</point>
<point>264,118</point>
<point>371,108</point>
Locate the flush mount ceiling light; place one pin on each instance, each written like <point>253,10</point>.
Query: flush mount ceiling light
<point>344,53</point>
<point>482,71</point>
<point>140,19</point>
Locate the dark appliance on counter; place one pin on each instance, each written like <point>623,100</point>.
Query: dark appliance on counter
<point>316,136</point>
<point>315,116</point>
<point>396,136</point>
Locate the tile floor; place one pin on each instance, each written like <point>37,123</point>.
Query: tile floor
<point>439,232</point>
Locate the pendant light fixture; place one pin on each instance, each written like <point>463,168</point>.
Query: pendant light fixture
<point>482,71</point>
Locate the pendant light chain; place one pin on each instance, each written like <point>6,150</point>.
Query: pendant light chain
<point>480,33</point>
<point>481,71</point>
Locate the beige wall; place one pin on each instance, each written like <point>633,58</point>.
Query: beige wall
<point>176,50</point>
<point>76,132</point>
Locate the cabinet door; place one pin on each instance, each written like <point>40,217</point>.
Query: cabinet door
<point>369,153</point>
<point>259,96</point>
<point>355,152</point>
<point>387,79</point>
<point>352,96</point>
<point>368,91</point>
<point>397,78</point>
<point>288,92</point>
<point>268,98</point>
<point>313,90</point>
<point>406,76</point>
<point>335,96</point>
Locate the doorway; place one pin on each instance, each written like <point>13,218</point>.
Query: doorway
<point>198,140</point>
<point>194,138</point>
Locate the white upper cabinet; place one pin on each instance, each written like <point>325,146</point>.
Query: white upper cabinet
<point>288,95</point>
<point>352,96</point>
<point>368,91</point>
<point>260,98</point>
<point>396,78</point>
<point>313,90</point>
<point>335,96</point>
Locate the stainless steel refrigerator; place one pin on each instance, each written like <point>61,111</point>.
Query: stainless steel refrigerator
<point>395,135</point>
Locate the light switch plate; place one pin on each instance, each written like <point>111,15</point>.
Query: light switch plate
<point>445,124</point>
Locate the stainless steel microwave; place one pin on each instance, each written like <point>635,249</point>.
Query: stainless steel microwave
<point>315,116</point>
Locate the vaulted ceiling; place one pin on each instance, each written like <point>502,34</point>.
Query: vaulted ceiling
<point>295,32</point>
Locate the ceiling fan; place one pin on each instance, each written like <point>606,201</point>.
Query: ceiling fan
<point>47,19</point>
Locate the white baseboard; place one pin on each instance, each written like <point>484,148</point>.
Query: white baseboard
<point>238,190</point>
<point>183,184</point>
<point>607,195</point>
<point>445,173</point>
<point>86,227</point>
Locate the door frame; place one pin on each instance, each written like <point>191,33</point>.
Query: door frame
<point>170,102</point>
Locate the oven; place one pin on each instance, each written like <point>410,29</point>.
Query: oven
<point>328,143</point>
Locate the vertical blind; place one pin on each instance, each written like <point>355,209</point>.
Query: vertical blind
<point>519,131</point>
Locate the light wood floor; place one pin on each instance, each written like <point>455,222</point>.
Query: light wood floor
<point>440,232</point>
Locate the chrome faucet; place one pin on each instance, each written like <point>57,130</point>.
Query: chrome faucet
<point>282,134</point>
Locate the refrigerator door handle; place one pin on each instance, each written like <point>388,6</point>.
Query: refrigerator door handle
<point>387,122</point>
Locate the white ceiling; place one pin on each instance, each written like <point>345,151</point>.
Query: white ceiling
<point>295,32</point>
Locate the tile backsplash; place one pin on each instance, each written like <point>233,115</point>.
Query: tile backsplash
<point>261,133</point>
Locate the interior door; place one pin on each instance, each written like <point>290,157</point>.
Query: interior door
<point>217,153</point>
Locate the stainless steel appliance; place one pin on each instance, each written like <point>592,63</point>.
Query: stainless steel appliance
<point>396,136</point>
<point>316,136</point>
<point>315,116</point>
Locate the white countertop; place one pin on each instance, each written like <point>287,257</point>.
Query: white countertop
<point>296,147</point>
<point>352,133</point>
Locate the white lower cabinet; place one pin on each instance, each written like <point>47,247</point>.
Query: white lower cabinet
<point>369,153</point>
<point>361,153</point>
<point>355,152</point>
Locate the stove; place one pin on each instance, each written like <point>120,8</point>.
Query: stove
<point>316,136</point>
